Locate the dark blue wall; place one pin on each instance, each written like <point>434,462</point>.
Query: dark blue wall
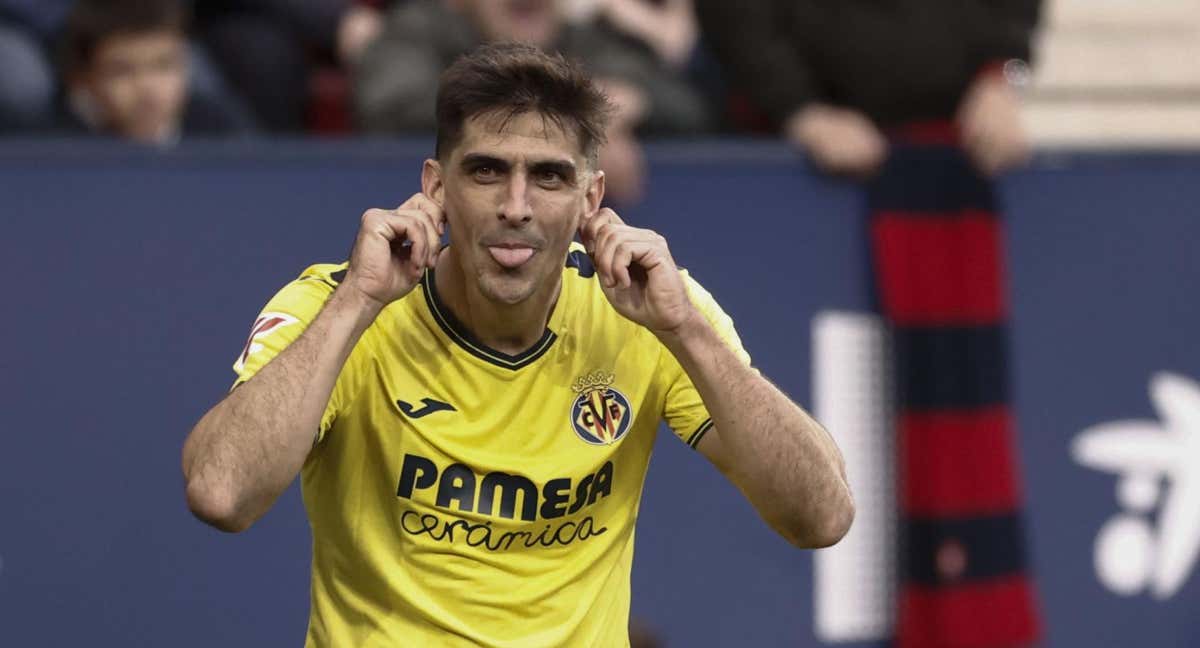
<point>132,278</point>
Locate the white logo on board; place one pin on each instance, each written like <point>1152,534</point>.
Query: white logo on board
<point>1158,468</point>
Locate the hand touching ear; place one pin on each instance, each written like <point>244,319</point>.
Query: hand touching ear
<point>636,271</point>
<point>394,247</point>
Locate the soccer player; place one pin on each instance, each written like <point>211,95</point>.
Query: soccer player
<point>472,424</point>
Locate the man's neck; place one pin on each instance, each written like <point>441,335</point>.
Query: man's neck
<point>508,328</point>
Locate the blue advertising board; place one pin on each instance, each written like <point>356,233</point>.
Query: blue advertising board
<point>133,277</point>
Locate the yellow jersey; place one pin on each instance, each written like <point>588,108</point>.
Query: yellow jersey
<point>460,496</point>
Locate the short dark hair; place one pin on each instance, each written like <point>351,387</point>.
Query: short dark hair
<point>510,79</point>
<point>92,21</point>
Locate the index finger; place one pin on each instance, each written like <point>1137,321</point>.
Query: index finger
<point>611,215</point>
<point>591,226</point>
<point>426,204</point>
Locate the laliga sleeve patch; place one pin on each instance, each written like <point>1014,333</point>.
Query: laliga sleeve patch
<point>266,324</point>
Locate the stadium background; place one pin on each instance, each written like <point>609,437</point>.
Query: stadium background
<point>125,309</point>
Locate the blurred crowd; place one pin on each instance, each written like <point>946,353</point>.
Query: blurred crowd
<point>836,78</point>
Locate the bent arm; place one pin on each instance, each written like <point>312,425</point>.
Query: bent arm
<point>785,463</point>
<point>246,450</point>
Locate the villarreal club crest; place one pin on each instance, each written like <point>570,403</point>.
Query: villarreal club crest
<point>600,415</point>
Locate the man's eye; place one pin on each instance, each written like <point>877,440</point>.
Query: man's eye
<point>550,177</point>
<point>485,173</point>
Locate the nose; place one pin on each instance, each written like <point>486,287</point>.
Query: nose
<point>516,207</point>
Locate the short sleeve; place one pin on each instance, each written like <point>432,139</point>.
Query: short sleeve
<point>282,321</point>
<point>683,410</point>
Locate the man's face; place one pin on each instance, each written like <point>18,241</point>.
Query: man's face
<point>139,84</point>
<point>527,21</point>
<point>514,193</point>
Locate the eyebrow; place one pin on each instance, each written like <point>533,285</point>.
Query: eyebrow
<point>472,160</point>
<point>564,168</point>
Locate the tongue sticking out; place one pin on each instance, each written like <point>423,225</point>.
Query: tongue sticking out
<point>511,257</point>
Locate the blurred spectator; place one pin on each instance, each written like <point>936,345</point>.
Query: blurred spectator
<point>668,27</point>
<point>843,79</point>
<point>359,26</point>
<point>269,48</point>
<point>29,30</point>
<point>834,76</point>
<point>27,83</point>
<point>396,78</point>
<point>126,72</point>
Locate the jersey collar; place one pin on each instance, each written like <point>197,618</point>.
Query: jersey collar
<point>458,333</point>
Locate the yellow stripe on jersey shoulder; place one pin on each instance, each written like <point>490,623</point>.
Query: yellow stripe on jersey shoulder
<point>304,297</point>
<point>330,274</point>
